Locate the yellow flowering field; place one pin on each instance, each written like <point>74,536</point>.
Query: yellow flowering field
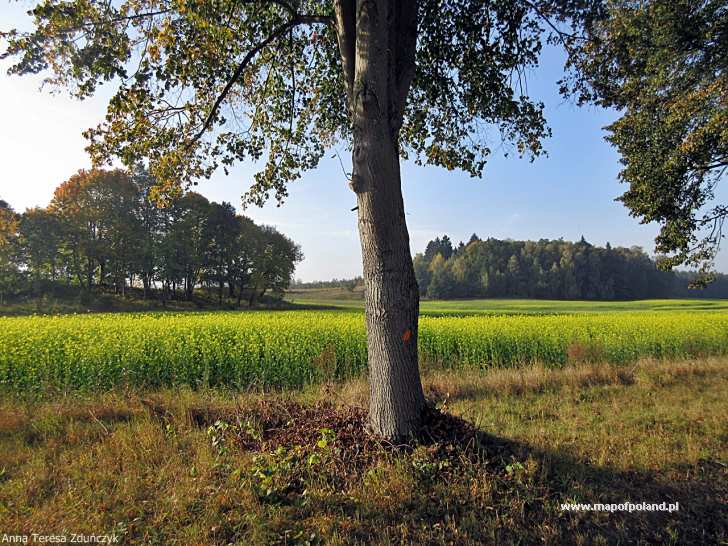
<point>292,348</point>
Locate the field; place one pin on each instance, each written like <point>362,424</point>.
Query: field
<point>292,348</point>
<point>353,300</point>
<point>214,467</point>
<point>249,427</point>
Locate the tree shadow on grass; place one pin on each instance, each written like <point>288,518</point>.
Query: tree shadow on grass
<point>456,484</point>
<point>698,491</point>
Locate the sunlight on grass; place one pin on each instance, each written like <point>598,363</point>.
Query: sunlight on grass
<point>173,466</point>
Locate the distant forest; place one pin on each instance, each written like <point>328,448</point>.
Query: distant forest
<point>349,284</point>
<point>550,269</point>
<point>104,230</point>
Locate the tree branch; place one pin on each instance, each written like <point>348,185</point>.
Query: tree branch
<point>561,35</point>
<point>716,165</point>
<point>298,20</point>
<point>304,19</point>
<point>405,35</point>
<point>345,34</point>
<point>140,15</point>
<point>313,19</point>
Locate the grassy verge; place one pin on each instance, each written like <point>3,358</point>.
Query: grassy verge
<point>208,467</point>
<point>343,298</point>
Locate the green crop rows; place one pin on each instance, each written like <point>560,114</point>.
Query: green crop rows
<point>297,347</point>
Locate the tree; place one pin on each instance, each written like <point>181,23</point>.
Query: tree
<point>121,226</point>
<point>185,242</point>
<point>422,272</point>
<point>8,248</point>
<point>249,246</point>
<point>151,222</point>
<point>441,283</point>
<point>439,246</point>
<point>40,239</point>
<point>423,79</point>
<point>274,262</point>
<point>97,213</point>
<point>73,204</point>
<point>221,240</point>
<point>662,64</point>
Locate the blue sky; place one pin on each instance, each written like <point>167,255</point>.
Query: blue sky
<point>568,194</point>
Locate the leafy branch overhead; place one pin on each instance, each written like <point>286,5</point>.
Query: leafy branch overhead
<point>204,84</point>
<point>662,65</point>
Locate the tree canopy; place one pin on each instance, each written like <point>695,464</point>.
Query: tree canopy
<point>206,84</point>
<point>662,65</point>
<point>553,269</point>
<point>102,229</point>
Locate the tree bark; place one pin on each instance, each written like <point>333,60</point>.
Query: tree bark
<point>89,274</point>
<point>240,293</point>
<point>230,282</point>
<point>378,78</point>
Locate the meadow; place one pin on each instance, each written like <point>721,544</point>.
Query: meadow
<point>353,300</point>
<point>107,426</point>
<point>181,466</point>
<point>243,350</point>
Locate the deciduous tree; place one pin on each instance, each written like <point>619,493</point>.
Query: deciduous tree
<point>40,239</point>
<point>205,84</point>
<point>8,249</point>
<point>663,64</point>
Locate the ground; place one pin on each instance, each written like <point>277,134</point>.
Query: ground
<point>502,451</point>
<point>342,298</point>
<point>103,301</point>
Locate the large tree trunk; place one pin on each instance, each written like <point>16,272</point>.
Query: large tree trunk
<point>377,41</point>
<point>391,297</point>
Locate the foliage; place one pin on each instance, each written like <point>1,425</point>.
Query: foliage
<point>103,228</point>
<point>554,269</point>
<point>243,350</point>
<point>9,272</point>
<point>206,85</point>
<point>662,65</point>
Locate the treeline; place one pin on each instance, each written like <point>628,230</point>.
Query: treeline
<point>104,229</point>
<point>349,284</point>
<point>549,269</point>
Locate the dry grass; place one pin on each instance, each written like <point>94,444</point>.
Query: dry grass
<point>147,467</point>
<point>440,384</point>
<point>539,378</point>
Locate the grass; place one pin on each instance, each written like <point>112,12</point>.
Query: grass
<point>104,300</point>
<point>332,299</point>
<point>343,299</point>
<point>215,467</point>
